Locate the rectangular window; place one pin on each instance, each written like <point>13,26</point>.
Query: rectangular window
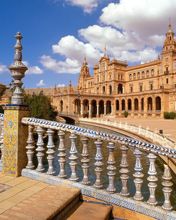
<point>167,81</point>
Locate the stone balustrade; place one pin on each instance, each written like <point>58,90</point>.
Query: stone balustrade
<point>144,132</point>
<point>46,147</point>
<point>47,150</point>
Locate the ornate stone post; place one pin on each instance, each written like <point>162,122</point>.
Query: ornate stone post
<point>152,179</point>
<point>30,148</point>
<point>167,187</point>
<point>138,175</point>
<point>73,158</point>
<point>62,154</point>
<point>50,152</point>
<point>40,149</point>
<point>15,134</point>
<point>124,171</point>
<point>85,160</point>
<point>111,168</point>
<point>98,164</point>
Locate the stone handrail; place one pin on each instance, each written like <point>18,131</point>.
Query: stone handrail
<point>59,152</point>
<point>144,132</point>
<point>153,148</point>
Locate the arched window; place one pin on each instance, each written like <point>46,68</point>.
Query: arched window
<point>110,89</point>
<point>136,104</point>
<point>117,105</point>
<point>158,103</point>
<point>130,76</point>
<point>129,105</point>
<point>123,105</point>
<point>61,106</point>
<point>120,88</point>
<point>142,104</point>
<point>149,104</point>
<point>108,107</point>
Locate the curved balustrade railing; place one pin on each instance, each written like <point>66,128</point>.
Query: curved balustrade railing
<point>45,128</point>
<point>1,116</point>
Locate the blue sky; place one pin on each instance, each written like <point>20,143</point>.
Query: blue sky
<point>59,33</point>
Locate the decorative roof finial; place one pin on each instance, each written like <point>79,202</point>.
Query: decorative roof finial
<point>85,61</point>
<point>18,47</point>
<point>105,51</point>
<point>18,70</point>
<point>170,26</point>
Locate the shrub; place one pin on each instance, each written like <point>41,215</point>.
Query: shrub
<point>169,115</point>
<point>125,114</point>
<point>40,106</point>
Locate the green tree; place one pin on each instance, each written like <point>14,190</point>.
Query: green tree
<point>40,106</point>
<point>1,109</point>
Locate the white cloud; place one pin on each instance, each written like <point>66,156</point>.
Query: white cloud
<point>87,5</point>
<point>146,17</point>
<point>67,66</point>
<point>3,68</point>
<point>131,30</point>
<point>40,83</point>
<point>33,69</point>
<point>61,85</point>
<point>74,52</point>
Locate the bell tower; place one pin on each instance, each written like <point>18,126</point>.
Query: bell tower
<point>169,51</point>
<point>84,73</point>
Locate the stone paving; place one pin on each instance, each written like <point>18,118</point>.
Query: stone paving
<point>168,126</point>
<point>23,198</point>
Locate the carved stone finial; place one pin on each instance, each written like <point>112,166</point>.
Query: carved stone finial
<point>18,70</point>
<point>18,47</point>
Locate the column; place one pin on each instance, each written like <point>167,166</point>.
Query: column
<point>105,109</point>
<point>82,109</point>
<point>90,110</point>
<point>15,133</point>
<point>97,111</point>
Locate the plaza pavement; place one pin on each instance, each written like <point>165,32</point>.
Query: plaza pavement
<point>154,124</point>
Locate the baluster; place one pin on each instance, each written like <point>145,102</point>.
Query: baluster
<point>152,179</point>
<point>40,149</point>
<point>138,175</point>
<point>61,154</point>
<point>98,164</point>
<point>73,157</point>
<point>85,160</point>
<point>124,171</point>
<point>167,188</point>
<point>50,152</point>
<point>111,168</point>
<point>1,139</point>
<point>30,148</point>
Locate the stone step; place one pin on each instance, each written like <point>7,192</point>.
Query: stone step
<point>45,204</point>
<point>91,211</point>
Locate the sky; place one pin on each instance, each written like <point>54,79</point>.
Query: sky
<point>58,34</point>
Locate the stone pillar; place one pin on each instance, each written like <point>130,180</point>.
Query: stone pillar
<point>15,133</point>
<point>98,111</point>
<point>112,109</point>
<point>145,107</point>
<point>105,109</point>
<point>82,109</point>
<point>90,110</point>
<point>15,136</point>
